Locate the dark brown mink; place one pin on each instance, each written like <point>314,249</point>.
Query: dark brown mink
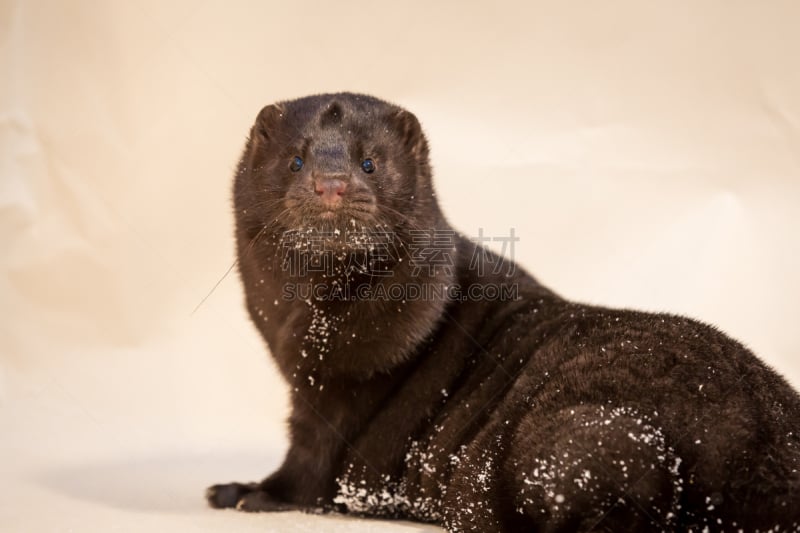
<point>414,396</point>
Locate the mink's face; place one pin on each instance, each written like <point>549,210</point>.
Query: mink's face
<point>335,164</point>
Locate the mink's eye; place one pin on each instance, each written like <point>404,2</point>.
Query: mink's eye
<point>296,164</point>
<point>368,166</point>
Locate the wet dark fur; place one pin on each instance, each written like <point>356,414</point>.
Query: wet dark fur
<point>536,414</point>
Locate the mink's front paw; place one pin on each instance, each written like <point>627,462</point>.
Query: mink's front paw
<point>227,495</point>
<point>249,497</point>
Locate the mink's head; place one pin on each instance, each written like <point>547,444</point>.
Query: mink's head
<point>334,165</point>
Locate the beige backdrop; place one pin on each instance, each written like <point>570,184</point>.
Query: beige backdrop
<point>647,154</point>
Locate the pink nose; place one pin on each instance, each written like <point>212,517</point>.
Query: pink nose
<point>330,191</point>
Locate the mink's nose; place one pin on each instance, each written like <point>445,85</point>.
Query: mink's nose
<point>330,191</point>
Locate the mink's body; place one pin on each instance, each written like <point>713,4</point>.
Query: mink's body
<point>529,413</point>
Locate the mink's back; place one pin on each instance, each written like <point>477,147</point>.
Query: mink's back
<point>502,387</point>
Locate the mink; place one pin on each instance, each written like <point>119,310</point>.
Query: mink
<point>434,380</point>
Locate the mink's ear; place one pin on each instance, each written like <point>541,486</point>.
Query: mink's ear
<point>266,125</point>
<point>408,128</point>
<point>264,135</point>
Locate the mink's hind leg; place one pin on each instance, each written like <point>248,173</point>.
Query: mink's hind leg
<point>594,468</point>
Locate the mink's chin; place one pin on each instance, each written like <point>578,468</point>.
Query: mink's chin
<point>341,231</point>
<point>341,219</point>
<point>349,214</point>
